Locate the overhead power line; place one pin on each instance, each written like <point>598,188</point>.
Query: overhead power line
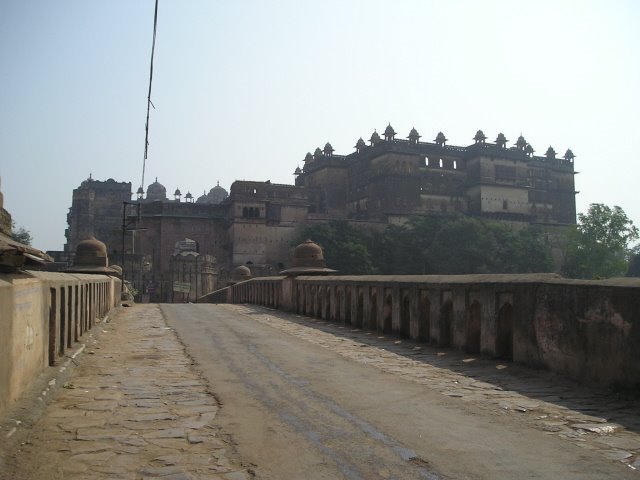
<point>149,103</point>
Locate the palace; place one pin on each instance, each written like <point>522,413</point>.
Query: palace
<point>254,223</point>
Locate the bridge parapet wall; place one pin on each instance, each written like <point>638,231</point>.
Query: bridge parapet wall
<point>42,315</point>
<point>589,330</point>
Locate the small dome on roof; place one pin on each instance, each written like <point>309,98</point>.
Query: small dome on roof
<point>480,137</point>
<point>521,142</point>
<point>216,195</point>
<point>551,153</point>
<point>440,139</point>
<point>317,153</point>
<point>156,192</point>
<point>188,195</point>
<point>328,149</point>
<point>140,191</point>
<point>308,157</point>
<point>177,192</point>
<point>414,136</point>
<point>297,171</point>
<point>501,140</point>
<point>389,132</point>
<point>569,155</point>
<point>360,145</point>
<point>375,137</point>
<point>529,150</point>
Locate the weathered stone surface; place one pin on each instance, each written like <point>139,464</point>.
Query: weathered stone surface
<point>138,412</point>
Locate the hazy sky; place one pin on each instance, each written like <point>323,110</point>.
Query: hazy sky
<point>243,89</point>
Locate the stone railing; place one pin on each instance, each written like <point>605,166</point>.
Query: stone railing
<point>589,330</point>
<point>42,315</point>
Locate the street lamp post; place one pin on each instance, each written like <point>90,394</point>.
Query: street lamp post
<point>125,228</point>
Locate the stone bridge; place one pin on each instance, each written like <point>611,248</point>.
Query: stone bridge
<point>589,330</point>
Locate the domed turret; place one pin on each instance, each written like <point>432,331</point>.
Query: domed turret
<point>360,145</point>
<point>156,192</point>
<point>521,143</point>
<point>375,138</point>
<point>441,139</point>
<point>551,153</point>
<point>569,156</point>
<point>389,133</point>
<point>501,140</point>
<point>140,193</point>
<point>480,137</point>
<point>414,136</point>
<point>328,150</point>
<point>308,158</point>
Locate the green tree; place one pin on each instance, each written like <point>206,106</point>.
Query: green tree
<point>599,246</point>
<point>634,262</point>
<point>21,234</point>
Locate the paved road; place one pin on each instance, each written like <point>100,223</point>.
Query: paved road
<point>299,407</point>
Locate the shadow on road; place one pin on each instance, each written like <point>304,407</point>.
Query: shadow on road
<point>541,385</point>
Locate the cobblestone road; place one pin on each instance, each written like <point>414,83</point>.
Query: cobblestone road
<point>134,408</point>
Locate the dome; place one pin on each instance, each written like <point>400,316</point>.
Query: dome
<point>480,137</point>
<point>317,153</point>
<point>308,254</point>
<point>117,270</point>
<point>328,149</point>
<point>521,142</point>
<point>217,194</point>
<point>308,259</point>
<point>156,192</point>
<point>440,139</point>
<point>375,137</point>
<point>360,144</point>
<point>240,274</point>
<point>389,132</point>
<point>308,157</point>
<point>91,257</point>
<point>202,198</point>
<point>501,140</point>
<point>177,193</point>
<point>414,136</point>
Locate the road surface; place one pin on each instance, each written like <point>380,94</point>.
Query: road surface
<point>297,409</point>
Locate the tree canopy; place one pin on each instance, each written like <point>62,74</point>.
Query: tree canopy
<point>433,245</point>
<point>599,245</point>
<point>21,234</point>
